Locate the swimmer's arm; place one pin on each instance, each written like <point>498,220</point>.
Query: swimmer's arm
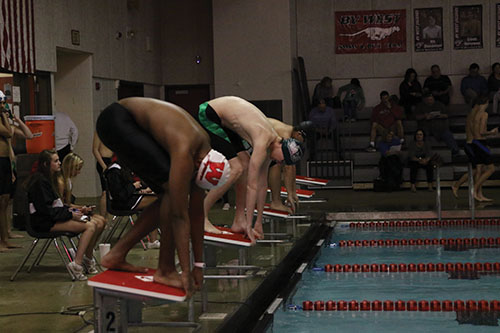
<point>290,172</point>
<point>22,130</point>
<point>255,172</point>
<point>179,183</point>
<point>483,129</point>
<point>5,129</point>
<point>197,219</point>
<point>96,142</point>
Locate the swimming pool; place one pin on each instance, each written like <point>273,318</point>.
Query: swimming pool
<point>444,278</point>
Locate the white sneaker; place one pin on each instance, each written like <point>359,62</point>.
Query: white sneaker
<point>154,245</point>
<point>90,265</point>
<point>77,271</point>
<point>226,206</point>
<point>72,253</point>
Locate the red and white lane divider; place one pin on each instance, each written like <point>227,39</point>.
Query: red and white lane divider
<point>424,223</point>
<point>420,267</point>
<point>469,242</point>
<point>411,305</point>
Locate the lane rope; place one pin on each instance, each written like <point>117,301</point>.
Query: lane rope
<point>399,305</point>
<point>412,267</point>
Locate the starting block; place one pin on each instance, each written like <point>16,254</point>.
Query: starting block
<point>120,296</point>
<point>228,237</point>
<point>303,180</point>
<point>300,192</point>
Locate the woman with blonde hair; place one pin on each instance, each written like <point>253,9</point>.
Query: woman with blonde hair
<point>71,167</point>
<point>48,213</point>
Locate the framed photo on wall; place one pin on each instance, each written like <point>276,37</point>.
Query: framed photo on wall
<point>428,29</point>
<point>497,23</point>
<point>468,27</point>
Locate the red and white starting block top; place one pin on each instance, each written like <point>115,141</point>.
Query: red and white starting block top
<point>300,192</point>
<point>303,180</point>
<point>136,283</point>
<point>228,237</point>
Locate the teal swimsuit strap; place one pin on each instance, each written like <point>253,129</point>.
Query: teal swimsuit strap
<point>210,125</point>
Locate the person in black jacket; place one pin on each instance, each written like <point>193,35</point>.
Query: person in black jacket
<point>124,193</point>
<point>49,214</point>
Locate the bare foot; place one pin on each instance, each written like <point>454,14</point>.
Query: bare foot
<point>454,190</point>
<point>172,279</point>
<point>112,261</point>
<point>3,248</point>
<point>209,227</point>
<point>280,206</point>
<point>485,199</point>
<point>250,233</point>
<point>477,197</point>
<point>14,236</point>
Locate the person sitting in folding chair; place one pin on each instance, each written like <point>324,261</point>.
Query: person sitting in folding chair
<point>48,213</point>
<point>126,193</point>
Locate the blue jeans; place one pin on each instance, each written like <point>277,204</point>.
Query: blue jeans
<point>350,109</point>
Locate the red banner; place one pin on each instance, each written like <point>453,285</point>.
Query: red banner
<point>370,31</point>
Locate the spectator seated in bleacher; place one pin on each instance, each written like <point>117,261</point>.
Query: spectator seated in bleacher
<point>323,117</point>
<point>494,86</point>
<point>353,101</point>
<point>390,165</point>
<point>419,156</point>
<point>386,117</point>
<point>49,214</point>
<point>438,85</point>
<point>432,117</point>
<point>410,92</point>
<point>473,85</point>
<point>323,90</point>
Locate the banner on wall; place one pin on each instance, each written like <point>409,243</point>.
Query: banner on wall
<point>468,27</point>
<point>497,21</point>
<point>428,29</point>
<point>370,31</point>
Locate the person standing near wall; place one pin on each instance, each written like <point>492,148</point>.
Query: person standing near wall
<point>66,134</point>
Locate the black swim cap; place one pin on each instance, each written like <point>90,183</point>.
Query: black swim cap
<point>292,151</point>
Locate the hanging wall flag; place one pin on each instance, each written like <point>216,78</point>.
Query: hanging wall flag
<point>468,27</point>
<point>370,31</point>
<point>428,29</point>
<point>17,36</point>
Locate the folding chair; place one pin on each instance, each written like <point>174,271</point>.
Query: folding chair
<point>50,237</point>
<point>118,215</point>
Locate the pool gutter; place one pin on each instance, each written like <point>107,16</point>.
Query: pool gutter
<point>256,313</point>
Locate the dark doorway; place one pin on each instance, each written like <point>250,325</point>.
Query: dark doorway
<point>189,97</point>
<point>130,89</point>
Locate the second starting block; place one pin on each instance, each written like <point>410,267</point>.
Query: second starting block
<point>119,298</point>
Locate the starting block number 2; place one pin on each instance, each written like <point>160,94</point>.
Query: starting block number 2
<point>110,317</point>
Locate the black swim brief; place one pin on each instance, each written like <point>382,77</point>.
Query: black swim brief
<point>222,139</point>
<point>482,152</point>
<point>134,147</point>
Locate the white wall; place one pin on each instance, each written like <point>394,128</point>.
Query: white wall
<point>252,50</point>
<point>73,96</point>
<point>384,71</point>
<point>98,23</point>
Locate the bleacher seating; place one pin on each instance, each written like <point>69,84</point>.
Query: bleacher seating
<point>356,137</point>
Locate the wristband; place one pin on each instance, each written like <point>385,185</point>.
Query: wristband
<point>200,264</point>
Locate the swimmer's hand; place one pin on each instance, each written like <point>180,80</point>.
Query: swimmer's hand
<point>77,215</point>
<point>197,273</point>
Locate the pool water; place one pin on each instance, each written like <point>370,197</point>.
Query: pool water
<point>359,286</point>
